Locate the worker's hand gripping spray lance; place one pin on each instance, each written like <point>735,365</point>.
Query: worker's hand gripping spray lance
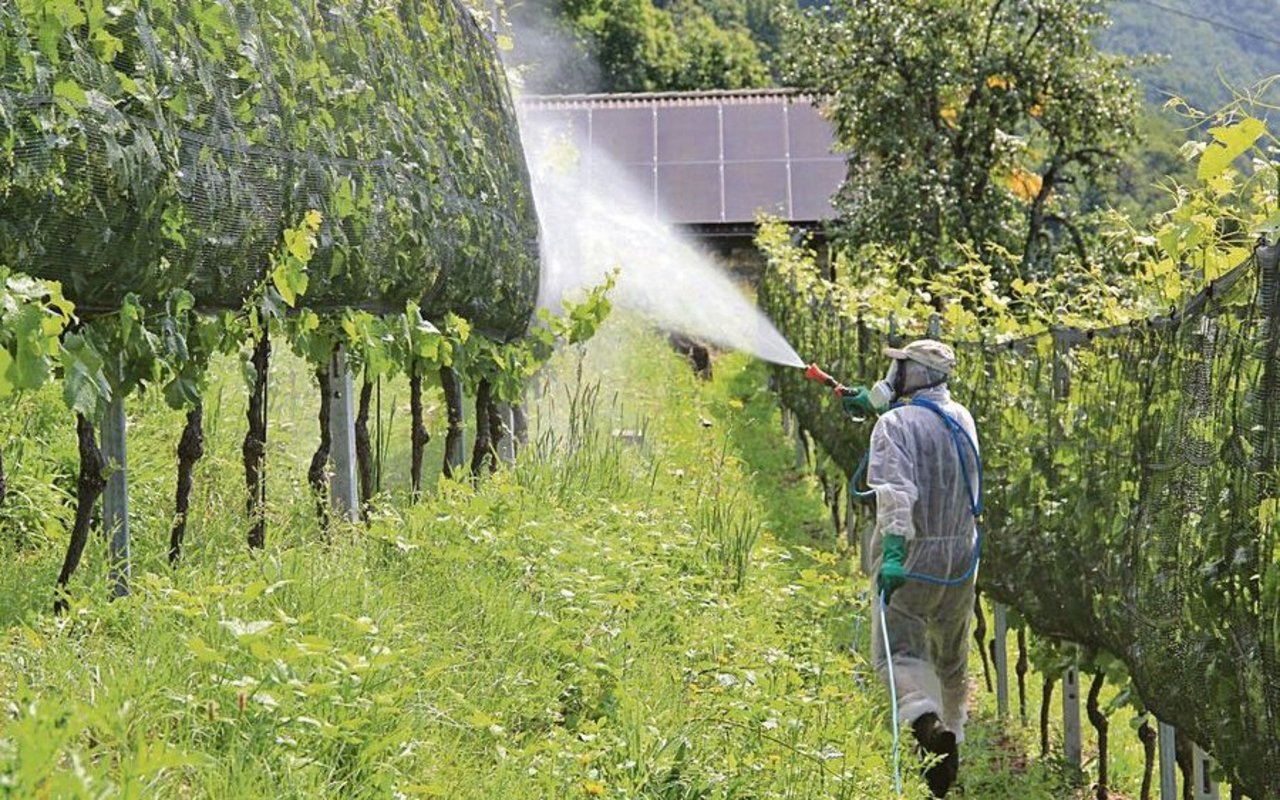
<point>855,399</point>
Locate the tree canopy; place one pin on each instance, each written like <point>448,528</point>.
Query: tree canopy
<point>570,46</point>
<point>973,124</point>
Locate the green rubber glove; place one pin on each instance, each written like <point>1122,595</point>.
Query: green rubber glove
<point>859,402</point>
<point>893,568</point>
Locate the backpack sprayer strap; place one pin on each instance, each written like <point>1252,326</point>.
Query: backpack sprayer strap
<point>963,441</point>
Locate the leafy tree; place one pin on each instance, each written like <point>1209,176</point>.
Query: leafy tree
<point>635,46</point>
<point>970,122</point>
<point>715,56</point>
<point>761,20</point>
<point>635,43</point>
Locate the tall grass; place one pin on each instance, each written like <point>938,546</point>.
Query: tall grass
<point>619,615</point>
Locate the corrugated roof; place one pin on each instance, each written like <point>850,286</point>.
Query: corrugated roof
<point>604,100</point>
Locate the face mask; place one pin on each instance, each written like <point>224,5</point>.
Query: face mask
<point>885,391</point>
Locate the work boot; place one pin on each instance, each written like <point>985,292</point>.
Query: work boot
<point>936,740</point>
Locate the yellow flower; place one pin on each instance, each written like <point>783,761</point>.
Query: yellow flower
<point>998,82</point>
<point>593,788</point>
<point>949,115</point>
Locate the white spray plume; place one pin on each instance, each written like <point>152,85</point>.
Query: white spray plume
<point>594,220</point>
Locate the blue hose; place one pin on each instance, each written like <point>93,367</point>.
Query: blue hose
<point>857,476</point>
<point>960,437</point>
<point>962,440</point>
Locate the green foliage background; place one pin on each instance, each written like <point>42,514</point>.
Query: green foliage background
<point>1198,61</point>
<point>166,145</point>
<point>576,46</point>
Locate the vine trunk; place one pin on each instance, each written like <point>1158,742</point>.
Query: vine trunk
<point>255,444</point>
<point>190,450</point>
<point>89,487</point>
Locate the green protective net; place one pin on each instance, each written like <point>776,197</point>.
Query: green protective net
<point>1132,498</point>
<point>147,145</point>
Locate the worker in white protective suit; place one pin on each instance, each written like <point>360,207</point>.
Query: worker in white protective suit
<point>926,509</point>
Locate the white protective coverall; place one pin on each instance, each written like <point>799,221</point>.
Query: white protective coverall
<point>921,494</point>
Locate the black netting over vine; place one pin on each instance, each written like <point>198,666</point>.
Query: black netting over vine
<point>1132,492</point>
<point>150,145</point>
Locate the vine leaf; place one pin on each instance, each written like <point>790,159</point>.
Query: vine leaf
<point>84,385</point>
<point>72,93</point>
<point>6,362</point>
<point>290,273</point>
<point>1230,143</point>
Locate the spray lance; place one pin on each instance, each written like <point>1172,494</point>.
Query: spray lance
<point>854,398</point>
<point>815,373</point>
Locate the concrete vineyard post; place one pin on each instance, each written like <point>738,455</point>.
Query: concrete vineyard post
<point>1168,762</point>
<point>1001,613</point>
<point>343,492</point>
<point>1202,775</point>
<point>505,437</point>
<point>458,454</point>
<point>1073,749</point>
<point>115,500</point>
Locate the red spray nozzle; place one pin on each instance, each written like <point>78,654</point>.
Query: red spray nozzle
<point>815,373</point>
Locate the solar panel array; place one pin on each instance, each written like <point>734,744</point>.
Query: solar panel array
<point>707,158</point>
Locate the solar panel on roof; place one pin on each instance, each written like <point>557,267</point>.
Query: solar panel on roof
<point>755,132</point>
<point>689,134</point>
<point>641,176</point>
<point>711,158</point>
<point>625,134</point>
<point>690,193</point>
<point>811,135</point>
<point>813,183</point>
<point>750,187</point>
<point>573,123</point>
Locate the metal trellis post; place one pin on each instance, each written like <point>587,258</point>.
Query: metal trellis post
<point>851,516</point>
<point>506,437</point>
<point>458,456</point>
<point>1168,762</point>
<point>1202,775</point>
<point>342,430</point>
<point>115,499</point>
<point>1073,749</point>
<point>1001,613</point>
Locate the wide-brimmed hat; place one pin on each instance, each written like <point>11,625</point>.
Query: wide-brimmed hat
<point>927,352</point>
